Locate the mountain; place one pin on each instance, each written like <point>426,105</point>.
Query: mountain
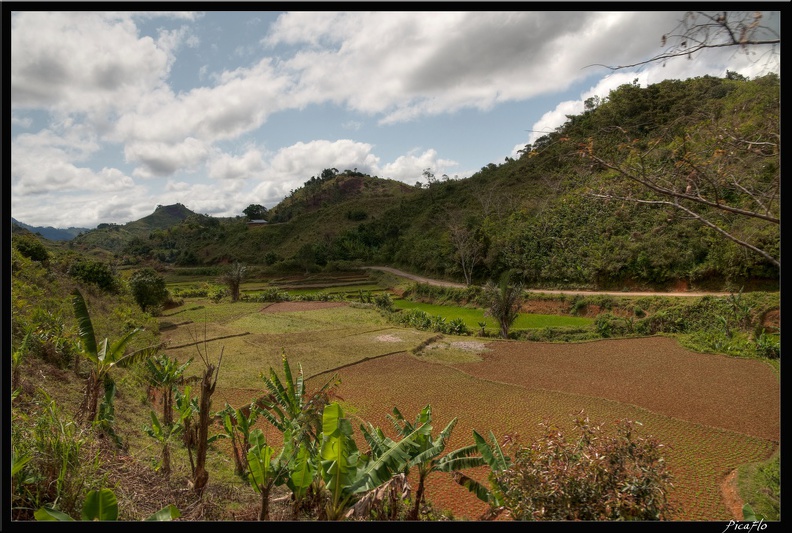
<point>48,232</point>
<point>114,237</point>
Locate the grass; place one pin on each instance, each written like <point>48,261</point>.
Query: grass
<point>472,316</point>
<point>760,486</point>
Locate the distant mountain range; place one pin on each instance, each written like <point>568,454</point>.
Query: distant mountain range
<point>53,234</point>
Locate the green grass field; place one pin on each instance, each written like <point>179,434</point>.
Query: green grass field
<point>472,316</point>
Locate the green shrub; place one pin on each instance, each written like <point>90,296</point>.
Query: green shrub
<point>273,295</point>
<point>31,248</point>
<point>768,346</point>
<point>148,288</point>
<point>95,272</point>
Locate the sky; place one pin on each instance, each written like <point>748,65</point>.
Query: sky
<point>114,112</point>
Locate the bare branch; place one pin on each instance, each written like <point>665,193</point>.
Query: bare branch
<point>649,184</point>
<point>699,31</point>
<point>698,217</point>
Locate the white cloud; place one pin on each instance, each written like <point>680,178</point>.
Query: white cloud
<point>227,167</point>
<point>70,61</point>
<point>46,161</point>
<point>239,103</point>
<point>163,159</point>
<point>409,168</point>
<point>406,65</point>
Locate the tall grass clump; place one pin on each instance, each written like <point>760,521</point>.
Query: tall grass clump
<point>52,462</point>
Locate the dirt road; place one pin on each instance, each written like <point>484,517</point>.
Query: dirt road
<point>421,279</point>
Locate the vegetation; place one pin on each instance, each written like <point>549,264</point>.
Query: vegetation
<point>149,289</point>
<point>581,210</point>
<point>584,209</point>
<point>503,302</point>
<point>592,476</point>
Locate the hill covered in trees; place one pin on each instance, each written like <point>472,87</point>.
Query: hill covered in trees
<point>673,184</point>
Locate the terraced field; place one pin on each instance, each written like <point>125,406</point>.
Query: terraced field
<point>713,413</point>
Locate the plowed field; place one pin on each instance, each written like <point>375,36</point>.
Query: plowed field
<point>711,412</point>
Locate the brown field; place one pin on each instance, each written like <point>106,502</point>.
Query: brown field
<point>711,412</point>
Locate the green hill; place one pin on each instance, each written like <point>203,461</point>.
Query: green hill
<point>671,185</point>
<point>115,237</point>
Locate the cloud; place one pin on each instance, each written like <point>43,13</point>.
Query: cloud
<point>163,159</point>
<point>46,161</point>
<point>406,65</point>
<point>240,102</point>
<point>227,167</point>
<point>409,168</point>
<point>70,61</point>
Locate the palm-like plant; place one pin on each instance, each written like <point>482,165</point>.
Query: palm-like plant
<point>291,409</point>
<point>482,453</point>
<point>103,355</point>
<point>426,454</point>
<point>164,373</point>
<point>348,474</point>
<point>503,302</point>
<point>297,414</point>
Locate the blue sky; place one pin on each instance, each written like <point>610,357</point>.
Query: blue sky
<point>113,113</point>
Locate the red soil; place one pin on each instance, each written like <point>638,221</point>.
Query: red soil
<point>286,307</point>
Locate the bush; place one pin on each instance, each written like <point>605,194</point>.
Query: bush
<point>94,272</point>
<point>148,288</point>
<point>31,248</point>
<point>768,346</point>
<point>594,476</point>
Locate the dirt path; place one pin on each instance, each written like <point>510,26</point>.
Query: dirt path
<point>421,279</point>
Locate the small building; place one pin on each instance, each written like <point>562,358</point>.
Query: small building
<point>256,223</point>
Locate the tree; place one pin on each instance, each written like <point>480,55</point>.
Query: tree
<point>699,31</point>
<point>255,212</point>
<point>503,302</point>
<point>103,355</point>
<point>468,249</point>
<point>148,288</point>
<point>700,180</point>
<point>233,278</point>
<point>208,385</point>
<point>97,272</point>
<point>720,167</point>
<point>31,247</point>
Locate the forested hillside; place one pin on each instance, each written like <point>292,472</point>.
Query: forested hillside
<point>675,184</point>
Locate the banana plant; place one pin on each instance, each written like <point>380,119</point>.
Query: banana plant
<point>302,469</point>
<point>347,473</point>
<point>426,458</point>
<point>103,355</point>
<point>101,505</point>
<point>265,469</point>
<point>164,373</point>
<point>237,424</point>
<point>290,408</point>
<point>476,455</point>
